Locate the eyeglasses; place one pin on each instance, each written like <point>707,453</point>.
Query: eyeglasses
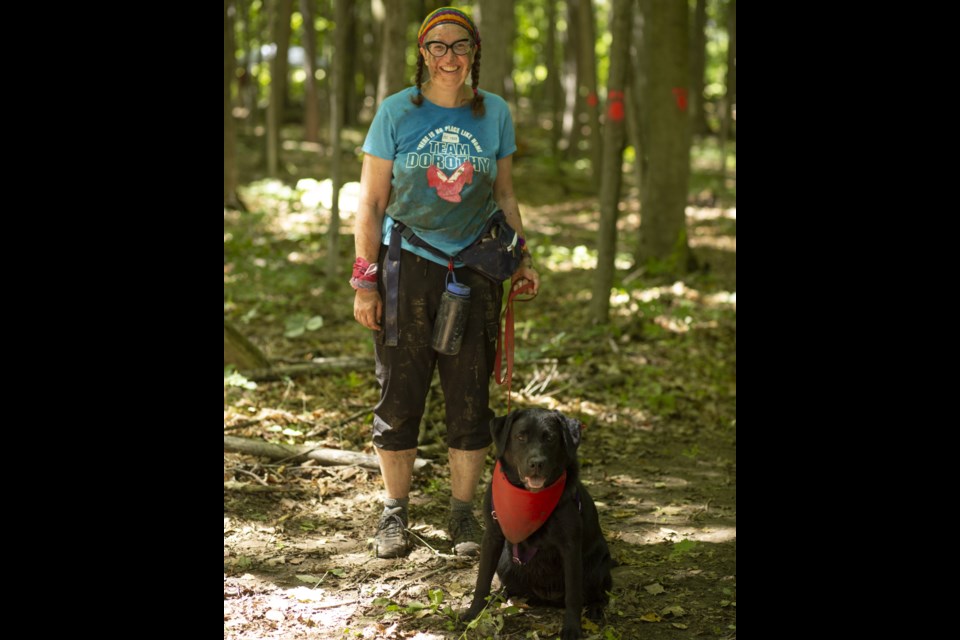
<point>439,49</point>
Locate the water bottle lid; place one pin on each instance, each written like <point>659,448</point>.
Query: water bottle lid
<point>458,289</point>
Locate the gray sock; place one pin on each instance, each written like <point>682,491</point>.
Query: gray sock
<point>459,506</point>
<point>393,503</point>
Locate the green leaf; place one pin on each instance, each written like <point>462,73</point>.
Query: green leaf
<point>314,323</point>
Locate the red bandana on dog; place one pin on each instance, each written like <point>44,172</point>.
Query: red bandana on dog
<point>520,512</point>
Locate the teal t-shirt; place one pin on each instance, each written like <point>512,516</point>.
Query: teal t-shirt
<point>444,166</point>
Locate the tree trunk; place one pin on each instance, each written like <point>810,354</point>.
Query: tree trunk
<point>311,103</point>
<point>337,85</point>
<point>280,36</point>
<point>730,98</point>
<point>613,142</point>
<point>239,351</point>
<point>638,90</point>
<point>554,88</point>
<point>393,46</point>
<point>326,457</point>
<point>663,236</point>
<point>229,134</point>
<point>698,68</point>
<point>497,22</point>
<point>348,93</point>
<point>573,105</point>
<point>587,79</point>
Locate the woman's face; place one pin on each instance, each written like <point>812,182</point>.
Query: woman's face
<point>449,70</point>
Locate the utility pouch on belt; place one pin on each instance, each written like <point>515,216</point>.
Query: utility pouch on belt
<point>496,254</point>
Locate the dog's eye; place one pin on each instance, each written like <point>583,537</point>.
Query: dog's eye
<point>521,437</point>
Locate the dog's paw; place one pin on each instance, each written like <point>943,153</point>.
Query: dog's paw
<point>471,613</point>
<point>571,633</point>
<point>595,612</point>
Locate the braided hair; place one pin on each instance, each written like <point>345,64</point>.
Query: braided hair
<point>449,15</point>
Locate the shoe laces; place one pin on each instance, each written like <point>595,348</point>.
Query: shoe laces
<point>392,523</point>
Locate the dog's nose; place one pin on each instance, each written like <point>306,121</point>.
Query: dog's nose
<point>536,466</point>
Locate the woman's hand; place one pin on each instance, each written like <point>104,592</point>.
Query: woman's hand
<point>368,308</point>
<point>526,273</point>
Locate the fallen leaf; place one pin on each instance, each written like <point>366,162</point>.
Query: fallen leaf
<point>678,625</point>
<point>654,588</point>
<point>675,611</point>
<point>650,617</point>
<point>306,577</point>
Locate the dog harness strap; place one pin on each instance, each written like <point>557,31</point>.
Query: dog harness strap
<point>391,281</point>
<point>526,557</point>
<point>520,512</point>
<point>505,339</point>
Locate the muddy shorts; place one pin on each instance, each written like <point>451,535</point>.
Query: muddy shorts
<point>406,370</point>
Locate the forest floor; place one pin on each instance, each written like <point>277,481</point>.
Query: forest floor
<point>655,389</point>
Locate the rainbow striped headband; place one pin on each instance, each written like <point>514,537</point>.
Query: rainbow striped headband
<point>451,16</point>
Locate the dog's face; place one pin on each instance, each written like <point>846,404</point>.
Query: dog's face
<point>536,446</point>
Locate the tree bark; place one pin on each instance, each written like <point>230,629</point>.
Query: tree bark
<point>326,457</point>
<point>280,36</point>
<point>698,68</point>
<point>663,236</point>
<point>613,143</point>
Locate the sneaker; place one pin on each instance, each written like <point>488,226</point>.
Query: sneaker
<point>391,538</point>
<point>466,533</point>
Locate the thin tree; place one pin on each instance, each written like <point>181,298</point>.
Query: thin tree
<point>587,80</point>
<point>392,15</point>
<point>554,88</point>
<point>698,68</point>
<point>340,37</point>
<point>573,106</point>
<point>497,23</point>
<point>614,139</point>
<point>663,231</point>
<point>730,97</point>
<point>311,105</point>
<point>280,35</point>
<point>229,133</point>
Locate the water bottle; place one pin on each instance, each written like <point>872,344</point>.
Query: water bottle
<point>451,319</point>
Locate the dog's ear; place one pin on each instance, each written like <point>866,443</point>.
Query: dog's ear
<point>500,430</point>
<point>571,433</point>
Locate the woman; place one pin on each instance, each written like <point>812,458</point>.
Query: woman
<point>438,159</point>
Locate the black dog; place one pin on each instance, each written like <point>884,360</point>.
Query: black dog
<point>542,532</point>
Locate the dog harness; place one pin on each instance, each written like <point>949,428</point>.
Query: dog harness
<point>520,512</point>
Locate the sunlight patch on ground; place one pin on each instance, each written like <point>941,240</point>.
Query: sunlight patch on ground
<point>557,258</point>
<point>676,533</point>
<point>628,303</point>
<point>320,193</point>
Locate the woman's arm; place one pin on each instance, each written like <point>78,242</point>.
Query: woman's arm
<point>507,201</point>
<point>374,196</point>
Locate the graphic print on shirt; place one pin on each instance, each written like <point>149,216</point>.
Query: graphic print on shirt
<point>450,155</point>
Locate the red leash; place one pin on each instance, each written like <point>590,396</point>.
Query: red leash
<point>505,337</point>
